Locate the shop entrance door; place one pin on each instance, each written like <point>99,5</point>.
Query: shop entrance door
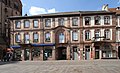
<point>26,54</point>
<point>97,52</point>
<point>61,53</point>
<point>119,52</point>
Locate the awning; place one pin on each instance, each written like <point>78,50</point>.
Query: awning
<point>40,45</point>
<point>15,46</point>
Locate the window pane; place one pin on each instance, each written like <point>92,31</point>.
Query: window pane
<point>35,36</point>
<point>61,38</point>
<point>47,37</point>
<point>27,24</point>
<point>27,38</point>
<point>47,22</point>
<point>18,24</point>
<point>35,23</point>
<point>75,35</point>
<point>75,21</point>
<point>17,37</point>
<point>87,35</point>
<point>61,21</point>
<point>107,34</point>
<point>106,19</point>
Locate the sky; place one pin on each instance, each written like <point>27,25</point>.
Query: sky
<point>35,7</point>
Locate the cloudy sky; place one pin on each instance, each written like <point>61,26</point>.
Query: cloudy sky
<point>34,7</point>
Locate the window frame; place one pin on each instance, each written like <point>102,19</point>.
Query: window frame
<point>75,21</point>
<point>26,41</point>
<point>107,21</point>
<point>107,34</point>
<point>48,22</point>
<point>47,37</point>
<point>87,20</point>
<point>17,40</point>
<point>97,20</point>
<point>34,23</point>
<point>61,38</point>
<point>34,39</point>
<point>26,24</point>
<point>16,24</point>
<point>87,35</point>
<point>75,35</point>
<point>61,21</point>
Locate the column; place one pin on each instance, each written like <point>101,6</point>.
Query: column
<point>93,51</point>
<point>53,53</point>
<point>22,55</point>
<point>30,54</point>
<point>100,54</point>
<point>41,54</point>
<point>68,52</point>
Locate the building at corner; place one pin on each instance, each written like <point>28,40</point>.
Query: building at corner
<point>7,8</point>
<point>79,35</point>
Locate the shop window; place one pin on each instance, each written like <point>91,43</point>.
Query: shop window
<point>36,52</point>
<point>47,54</point>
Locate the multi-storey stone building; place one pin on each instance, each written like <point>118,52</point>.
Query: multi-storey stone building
<point>7,8</point>
<point>80,35</point>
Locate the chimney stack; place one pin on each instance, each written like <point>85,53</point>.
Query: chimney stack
<point>105,7</point>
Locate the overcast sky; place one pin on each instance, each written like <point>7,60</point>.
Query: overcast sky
<point>34,7</point>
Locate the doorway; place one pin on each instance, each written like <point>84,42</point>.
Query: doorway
<point>87,52</point>
<point>26,54</point>
<point>97,52</point>
<point>75,53</point>
<point>119,52</point>
<point>61,53</point>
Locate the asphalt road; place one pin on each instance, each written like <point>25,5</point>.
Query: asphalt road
<point>93,66</point>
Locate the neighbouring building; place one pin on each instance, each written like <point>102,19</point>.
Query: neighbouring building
<point>7,8</point>
<point>79,35</point>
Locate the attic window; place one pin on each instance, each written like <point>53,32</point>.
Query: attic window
<point>118,8</point>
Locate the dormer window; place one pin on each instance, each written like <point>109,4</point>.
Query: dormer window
<point>87,20</point>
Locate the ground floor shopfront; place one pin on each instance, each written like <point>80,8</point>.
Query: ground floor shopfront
<point>65,52</point>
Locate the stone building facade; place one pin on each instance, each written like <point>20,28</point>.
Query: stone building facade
<point>80,35</point>
<point>7,8</point>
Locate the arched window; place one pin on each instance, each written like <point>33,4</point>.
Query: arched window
<point>61,38</point>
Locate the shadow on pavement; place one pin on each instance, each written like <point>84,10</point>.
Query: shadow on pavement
<point>9,62</point>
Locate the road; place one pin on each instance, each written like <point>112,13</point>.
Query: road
<point>92,66</point>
